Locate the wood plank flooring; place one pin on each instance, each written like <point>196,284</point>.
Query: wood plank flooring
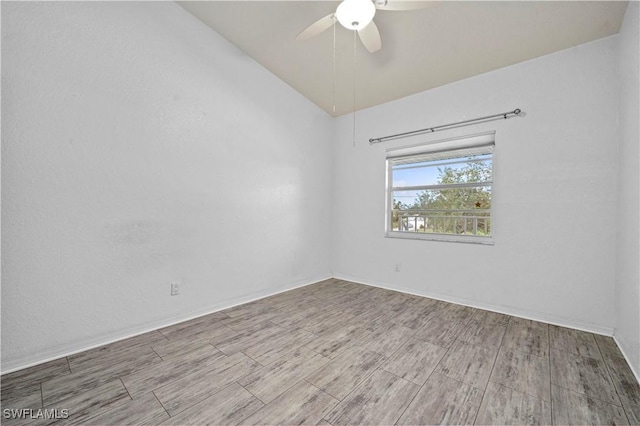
<point>336,353</point>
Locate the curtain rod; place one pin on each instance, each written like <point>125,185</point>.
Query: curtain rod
<point>505,115</point>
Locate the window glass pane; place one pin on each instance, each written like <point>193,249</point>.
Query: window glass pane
<point>466,199</point>
<point>465,217</point>
<point>404,200</point>
<point>460,170</point>
<point>444,193</point>
<point>460,211</point>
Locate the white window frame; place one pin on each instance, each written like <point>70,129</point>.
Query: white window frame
<point>452,144</point>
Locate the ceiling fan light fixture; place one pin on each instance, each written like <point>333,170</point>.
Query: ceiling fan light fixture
<point>355,14</point>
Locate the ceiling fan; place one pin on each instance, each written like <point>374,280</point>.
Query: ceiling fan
<point>357,15</point>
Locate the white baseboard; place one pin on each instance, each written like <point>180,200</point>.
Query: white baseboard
<point>632,366</point>
<point>508,310</point>
<point>67,350</point>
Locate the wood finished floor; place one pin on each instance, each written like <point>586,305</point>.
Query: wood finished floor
<point>339,353</point>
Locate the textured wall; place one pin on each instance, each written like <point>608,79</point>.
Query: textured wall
<point>554,191</point>
<point>140,148</point>
<point>628,259</point>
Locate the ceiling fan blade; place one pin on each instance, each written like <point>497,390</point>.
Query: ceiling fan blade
<point>370,37</point>
<point>400,5</point>
<point>317,27</point>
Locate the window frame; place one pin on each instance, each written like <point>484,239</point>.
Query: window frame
<point>440,146</point>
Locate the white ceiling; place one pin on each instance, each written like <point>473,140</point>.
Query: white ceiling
<point>445,42</point>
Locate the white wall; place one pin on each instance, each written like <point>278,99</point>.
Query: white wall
<point>554,192</point>
<point>628,257</point>
<point>139,148</point>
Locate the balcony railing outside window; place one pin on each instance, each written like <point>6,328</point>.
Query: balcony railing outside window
<point>458,222</point>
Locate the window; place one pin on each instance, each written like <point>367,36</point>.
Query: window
<point>442,191</point>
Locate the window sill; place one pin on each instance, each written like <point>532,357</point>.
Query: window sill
<point>468,239</point>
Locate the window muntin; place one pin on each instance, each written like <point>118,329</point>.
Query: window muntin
<point>442,194</point>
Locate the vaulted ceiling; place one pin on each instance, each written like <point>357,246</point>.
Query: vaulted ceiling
<point>446,41</point>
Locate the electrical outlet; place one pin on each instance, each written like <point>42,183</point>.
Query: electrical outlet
<point>397,267</point>
<point>175,288</point>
